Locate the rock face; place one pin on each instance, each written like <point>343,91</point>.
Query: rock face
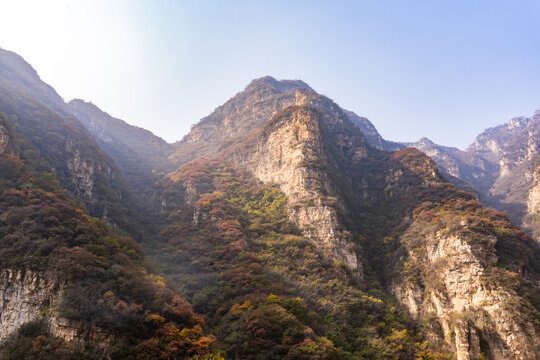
<point>27,296</point>
<point>142,156</point>
<point>500,165</point>
<point>24,297</point>
<point>290,153</point>
<point>5,139</point>
<point>455,299</point>
<point>82,171</point>
<point>249,110</point>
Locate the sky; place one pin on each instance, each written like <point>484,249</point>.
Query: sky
<point>445,70</point>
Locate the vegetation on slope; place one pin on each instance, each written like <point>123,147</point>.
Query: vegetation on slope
<point>51,141</point>
<point>103,279</point>
<point>266,291</point>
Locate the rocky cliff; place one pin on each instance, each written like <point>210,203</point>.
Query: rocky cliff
<point>28,297</point>
<point>451,284</point>
<point>500,165</point>
<point>53,140</point>
<point>360,205</point>
<point>5,138</point>
<point>290,153</point>
<point>142,156</point>
<point>24,297</point>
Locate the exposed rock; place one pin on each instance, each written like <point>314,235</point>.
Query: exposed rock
<point>290,153</point>
<point>500,165</point>
<point>533,201</point>
<point>454,297</point>
<point>5,140</point>
<point>27,296</point>
<point>82,171</point>
<point>247,111</point>
<point>24,295</point>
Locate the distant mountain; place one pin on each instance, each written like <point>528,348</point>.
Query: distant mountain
<point>501,164</point>
<point>371,133</point>
<point>142,156</point>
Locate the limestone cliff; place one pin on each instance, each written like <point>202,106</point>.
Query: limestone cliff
<point>450,283</point>
<point>249,110</point>
<point>24,297</point>
<point>290,153</point>
<point>27,296</point>
<point>5,138</point>
<point>500,165</point>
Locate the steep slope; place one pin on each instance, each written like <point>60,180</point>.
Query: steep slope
<point>245,112</point>
<point>142,156</point>
<point>500,164</point>
<point>70,288</point>
<point>55,141</point>
<point>267,291</point>
<point>371,133</point>
<point>356,205</point>
<point>18,74</point>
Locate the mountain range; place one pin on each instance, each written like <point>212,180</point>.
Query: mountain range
<point>280,227</point>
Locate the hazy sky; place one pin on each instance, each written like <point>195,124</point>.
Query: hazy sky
<point>441,69</point>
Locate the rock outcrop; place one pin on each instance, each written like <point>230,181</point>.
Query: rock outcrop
<point>499,164</point>
<point>290,153</point>
<point>450,283</point>
<point>5,139</point>
<point>27,296</point>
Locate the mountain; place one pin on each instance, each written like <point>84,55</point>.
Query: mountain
<point>16,73</point>
<point>55,141</point>
<point>71,288</point>
<point>281,227</point>
<point>142,156</point>
<point>501,164</point>
<point>371,133</point>
<point>390,221</point>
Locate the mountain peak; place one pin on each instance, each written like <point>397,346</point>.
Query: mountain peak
<point>281,86</point>
<point>426,141</point>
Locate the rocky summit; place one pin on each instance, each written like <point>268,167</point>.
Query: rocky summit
<point>281,227</point>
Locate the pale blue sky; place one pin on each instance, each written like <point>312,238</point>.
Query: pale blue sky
<point>441,69</point>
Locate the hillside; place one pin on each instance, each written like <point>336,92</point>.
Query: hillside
<point>55,141</point>
<point>281,227</point>
<point>500,165</point>
<point>142,156</point>
<point>357,205</point>
<point>70,288</point>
